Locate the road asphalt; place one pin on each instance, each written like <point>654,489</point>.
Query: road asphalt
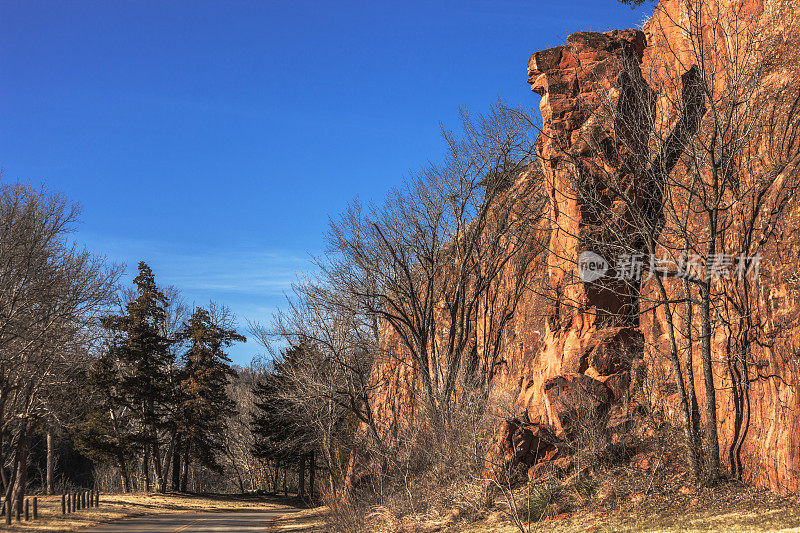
<point>241,521</point>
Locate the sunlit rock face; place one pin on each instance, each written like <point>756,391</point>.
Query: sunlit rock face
<point>590,324</point>
<point>576,348</point>
<point>756,370</point>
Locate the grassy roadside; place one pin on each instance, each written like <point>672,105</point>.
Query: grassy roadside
<point>118,506</point>
<point>311,520</point>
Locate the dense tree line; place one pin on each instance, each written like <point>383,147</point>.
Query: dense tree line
<point>98,380</point>
<point>283,434</point>
<point>159,387</point>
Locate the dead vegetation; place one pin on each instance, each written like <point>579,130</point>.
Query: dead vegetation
<point>649,489</point>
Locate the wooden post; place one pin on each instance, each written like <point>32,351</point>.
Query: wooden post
<point>18,513</point>
<point>63,503</point>
<point>97,499</point>
<point>7,505</point>
<point>35,508</point>
<point>27,509</point>
<point>83,499</point>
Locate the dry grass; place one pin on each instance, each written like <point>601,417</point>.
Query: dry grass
<point>635,495</point>
<point>662,498</point>
<point>731,507</point>
<point>755,511</point>
<point>305,521</point>
<point>117,506</point>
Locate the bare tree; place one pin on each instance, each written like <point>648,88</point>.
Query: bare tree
<point>422,286</point>
<point>51,294</point>
<point>333,378</point>
<point>425,262</point>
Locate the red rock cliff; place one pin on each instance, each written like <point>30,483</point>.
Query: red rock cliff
<point>576,350</point>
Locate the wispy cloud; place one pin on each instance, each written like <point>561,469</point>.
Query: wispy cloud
<point>251,280</point>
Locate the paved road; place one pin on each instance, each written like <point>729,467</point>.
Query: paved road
<point>193,523</point>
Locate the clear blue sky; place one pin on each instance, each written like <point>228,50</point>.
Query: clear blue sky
<point>214,139</point>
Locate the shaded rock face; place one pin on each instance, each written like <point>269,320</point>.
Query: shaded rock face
<point>522,444</point>
<point>573,398</point>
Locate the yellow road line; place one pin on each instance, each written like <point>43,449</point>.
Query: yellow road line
<point>187,525</point>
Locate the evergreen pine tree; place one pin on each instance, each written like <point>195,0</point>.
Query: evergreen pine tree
<point>279,430</point>
<point>132,381</point>
<point>106,434</point>
<point>205,405</point>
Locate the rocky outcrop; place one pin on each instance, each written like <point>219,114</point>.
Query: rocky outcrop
<point>756,373</point>
<point>591,330</point>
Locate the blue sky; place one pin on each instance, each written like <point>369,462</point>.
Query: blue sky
<point>215,139</point>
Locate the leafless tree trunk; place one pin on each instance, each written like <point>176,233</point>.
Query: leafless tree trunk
<point>50,459</point>
<point>176,465</point>
<point>312,469</point>
<point>301,478</point>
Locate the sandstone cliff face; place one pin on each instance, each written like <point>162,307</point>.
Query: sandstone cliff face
<point>576,349</point>
<point>590,336</point>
